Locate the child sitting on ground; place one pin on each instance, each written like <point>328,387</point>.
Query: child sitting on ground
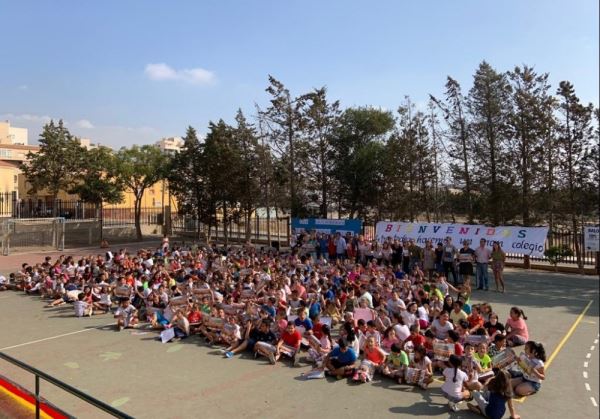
<point>126,315</point>
<point>395,363</point>
<point>454,387</point>
<point>82,308</point>
<point>373,358</point>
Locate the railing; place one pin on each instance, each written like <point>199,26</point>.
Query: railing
<point>69,389</point>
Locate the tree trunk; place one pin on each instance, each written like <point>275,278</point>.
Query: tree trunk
<point>138,215</point>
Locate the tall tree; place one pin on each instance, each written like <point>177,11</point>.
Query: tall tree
<point>454,110</point>
<point>188,182</point>
<point>248,185</point>
<point>57,164</point>
<point>321,117</point>
<point>575,141</point>
<point>138,168</point>
<point>223,162</point>
<point>531,122</point>
<point>489,110</point>
<point>284,121</point>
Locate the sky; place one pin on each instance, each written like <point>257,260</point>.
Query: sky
<point>131,72</point>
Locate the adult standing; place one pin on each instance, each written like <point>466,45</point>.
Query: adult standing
<point>340,247</point>
<point>482,258</point>
<point>498,259</point>
<point>428,259</point>
<point>448,258</point>
<point>466,256</point>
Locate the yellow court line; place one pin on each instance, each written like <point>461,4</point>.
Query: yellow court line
<point>561,344</point>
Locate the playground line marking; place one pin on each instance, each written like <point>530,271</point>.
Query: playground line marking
<point>562,343</point>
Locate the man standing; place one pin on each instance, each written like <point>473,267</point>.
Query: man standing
<point>448,258</point>
<point>482,257</point>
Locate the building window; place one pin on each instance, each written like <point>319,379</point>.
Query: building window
<point>5,153</point>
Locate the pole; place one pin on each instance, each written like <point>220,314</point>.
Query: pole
<point>37,396</point>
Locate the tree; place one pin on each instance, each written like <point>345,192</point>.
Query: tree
<point>138,168</point>
<point>359,154</point>
<point>575,134</point>
<point>248,186</point>
<point>489,110</point>
<point>283,119</point>
<point>321,119</point>
<point>222,164</point>
<point>98,182</point>
<point>58,163</point>
<point>454,110</point>
<point>530,123</point>
<point>188,182</point>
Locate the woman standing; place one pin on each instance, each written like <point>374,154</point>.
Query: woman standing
<point>429,258</point>
<point>498,259</point>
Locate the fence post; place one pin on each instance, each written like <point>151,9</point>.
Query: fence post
<point>37,396</point>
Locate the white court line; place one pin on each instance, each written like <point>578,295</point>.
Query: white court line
<point>587,387</point>
<point>594,402</point>
<point>588,356</point>
<point>585,375</point>
<point>592,348</point>
<point>585,364</point>
<point>595,341</point>
<point>54,337</point>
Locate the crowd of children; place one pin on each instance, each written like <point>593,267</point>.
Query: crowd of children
<point>347,319</point>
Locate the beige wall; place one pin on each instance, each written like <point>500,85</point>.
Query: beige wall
<point>12,135</point>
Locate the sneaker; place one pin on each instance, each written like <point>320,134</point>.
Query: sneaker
<point>295,361</point>
<point>255,355</point>
<point>453,406</point>
<point>223,351</point>
<point>272,358</point>
<point>355,376</point>
<point>228,354</point>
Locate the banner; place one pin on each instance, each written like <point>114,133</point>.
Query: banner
<point>327,226</point>
<point>520,240</point>
<point>591,239</point>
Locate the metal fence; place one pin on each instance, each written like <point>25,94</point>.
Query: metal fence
<point>275,231</point>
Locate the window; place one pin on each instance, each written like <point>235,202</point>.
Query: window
<point>5,153</point>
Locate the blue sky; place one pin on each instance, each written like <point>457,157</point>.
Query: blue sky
<point>125,72</point>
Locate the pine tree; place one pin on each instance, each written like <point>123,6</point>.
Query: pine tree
<point>575,134</point>
<point>454,110</point>
<point>531,122</point>
<point>489,110</point>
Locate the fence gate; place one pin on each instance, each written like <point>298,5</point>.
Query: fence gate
<point>33,232</point>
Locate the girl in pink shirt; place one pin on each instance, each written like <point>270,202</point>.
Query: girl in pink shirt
<point>516,328</point>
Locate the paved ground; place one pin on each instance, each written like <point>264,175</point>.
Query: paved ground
<point>145,378</point>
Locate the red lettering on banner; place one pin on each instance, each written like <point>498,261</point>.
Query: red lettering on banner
<point>491,231</point>
<point>388,228</point>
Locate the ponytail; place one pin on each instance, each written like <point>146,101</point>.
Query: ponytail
<point>520,312</point>
<point>540,352</point>
<point>455,371</point>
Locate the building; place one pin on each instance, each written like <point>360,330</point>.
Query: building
<point>170,145</point>
<point>14,149</point>
<point>12,135</point>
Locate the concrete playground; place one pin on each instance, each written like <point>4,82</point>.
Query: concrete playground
<point>134,372</point>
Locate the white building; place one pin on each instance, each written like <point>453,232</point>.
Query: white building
<point>170,144</point>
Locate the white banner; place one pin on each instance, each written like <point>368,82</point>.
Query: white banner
<point>521,240</point>
<point>591,239</point>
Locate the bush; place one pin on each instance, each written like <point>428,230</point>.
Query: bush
<point>557,253</point>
